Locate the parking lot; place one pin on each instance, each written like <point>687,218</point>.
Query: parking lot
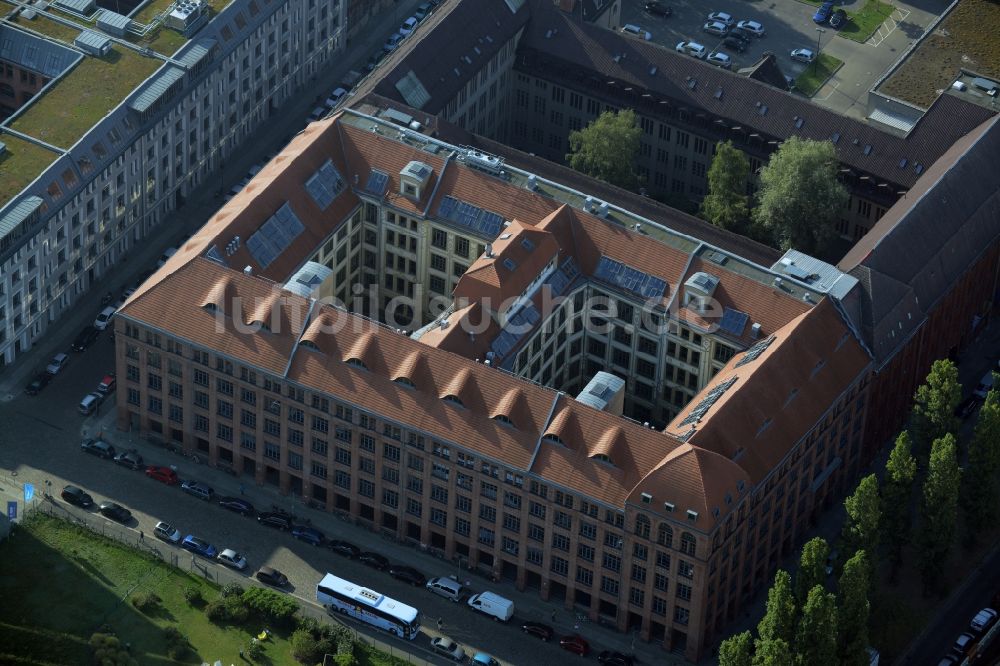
<point>789,25</point>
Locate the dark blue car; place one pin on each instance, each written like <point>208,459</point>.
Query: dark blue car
<point>308,534</point>
<point>823,13</point>
<point>199,546</point>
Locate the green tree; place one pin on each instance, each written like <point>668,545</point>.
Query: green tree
<point>897,489</point>
<point>934,405</point>
<point>774,652</point>
<point>736,650</point>
<point>800,197</point>
<point>939,509</point>
<point>854,608</point>
<point>816,639</point>
<point>979,478</point>
<point>812,567</point>
<point>726,205</point>
<point>864,513</point>
<point>779,618</point>
<point>606,148</point>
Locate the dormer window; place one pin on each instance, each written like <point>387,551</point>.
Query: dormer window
<point>309,344</point>
<point>504,420</point>
<point>692,515</point>
<point>602,457</point>
<point>405,382</point>
<point>410,190</point>
<point>454,399</point>
<point>357,363</point>
<point>413,178</point>
<point>552,438</point>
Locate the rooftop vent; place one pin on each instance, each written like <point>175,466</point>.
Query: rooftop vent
<point>603,209</point>
<point>777,282</point>
<point>489,250</point>
<point>755,331</point>
<point>588,204</point>
<point>248,270</point>
<point>484,161</point>
<point>532,183</point>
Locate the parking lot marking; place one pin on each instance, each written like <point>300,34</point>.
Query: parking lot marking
<point>888,26</point>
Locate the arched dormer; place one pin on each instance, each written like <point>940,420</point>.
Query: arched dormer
<point>363,352</point>
<point>512,409</point>
<point>461,390</point>
<point>413,372</point>
<point>318,336</point>
<point>268,313</point>
<point>221,296</point>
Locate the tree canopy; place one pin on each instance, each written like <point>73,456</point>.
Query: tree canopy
<point>897,488</point>
<point>727,205</point>
<point>934,405</point>
<point>800,197</point>
<point>607,147</point>
<point>939,509</point>
<point>979,478</point>
<point>864,513</point>
<point>780,617</point>
<point>816,640</point>
<point>737,650</point>
<point>853,611</point>
<point>812,567</point>
<point>774,652</point>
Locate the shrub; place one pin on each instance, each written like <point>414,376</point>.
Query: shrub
<point>108,651</point>
<point>345,660</point>
<point>275,607</point>
<point>236,610</point>
<point>193,595</point>
<point>215,610</point>
<point>173,634</point>
<point>253,651</point>
<point>145,601</point>
<point>177,644</point>
<point>305,647</point>
<point>232,590</point>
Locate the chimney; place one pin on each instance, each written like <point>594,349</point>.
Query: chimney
<point>489,250</point>
<point>248,270</point>
<point>755,331</point>
<point>444,324</point>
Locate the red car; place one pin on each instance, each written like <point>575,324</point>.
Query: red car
<point>164,474</point>
<point>575,643</point>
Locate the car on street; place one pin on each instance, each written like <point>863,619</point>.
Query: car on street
<point>448,647</point>
<point>373,560</point>
<point>199,546</point>
<point>169,252</point>
<point>753,27</point>
<point>345,548</point>
<point>609,658</point>
<point>167,532</point>
<point>310,535</point>
<point>129,459</point>
<point>77,497</point>
<point>576,644</point>
<point>635,31</point>
<point>407,575</point>
<point>824,11</point>
<point>236,504</point>
<point>963,645</point>
<point>719,59</point>
<point>40,381</point>
<point>116,512</point>
<point>163,474</point>
<point>84,338</point>
<point>316,114</point>
<point>273,519</point>
<point>393,42</point>
<point>98,447</point>
<point>838,19</point>
<point>57,363</point>
<point>803,55</point>
<point>483,659</point>
<point>335,98</point>
<point>271,576</point>
<point>107,384</point>
<point>983,620</point>
<point>232,559</point>
<point>722,17</point>
<point>423,11</point>
<point>104,318</point>
<point>408,26</point>
<point>197,489</point>
<point>90,403</point>
<point>734,44</point>
<point>716,28</point>
<point>656,8</point>
<point>693,49</point>
<point>538,630</point>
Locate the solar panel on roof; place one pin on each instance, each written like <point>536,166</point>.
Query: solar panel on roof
<point>630,279</point>
<point>376,182</point>
<point>324,185</point>
<point>518,325</point>
<point>486,223</point>
<point>274,236</point>
<point>733,321</point>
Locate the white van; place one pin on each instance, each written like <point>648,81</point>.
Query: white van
<point>493,605</point>
<point>448,588</point>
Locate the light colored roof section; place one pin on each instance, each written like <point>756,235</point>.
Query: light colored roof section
<point>158,87</point>
<point>894,120</point>
<point>197,52</point>
<point>34,53</point>
<point>413,91</point>
<point>821,277</point>
<point>84,7</point>
<point>92,42</point>
<point>21,212</point>
<point>601,389</point>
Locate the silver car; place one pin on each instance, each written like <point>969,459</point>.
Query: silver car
<point>232,559</point>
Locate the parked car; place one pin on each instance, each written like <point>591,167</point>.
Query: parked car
<point>116,512</point>
<point>423,11</point>
<point>40,381</point>
<point>755,28</point>
<point>240,506</point>
<point>98,447</point>
<point>983,620</point>
<point>985,386</point>
<point>129,459</point>
<point>538,630</point>
<point>963,645</point>
<point>734,44</point>
<point>278,520</point>
<point>84,339</point>
<point>609,658</point>
<point>310,535</point>
<point>374,560</point>
<point>636,31</point>
<point>719,59</point>
<point>316,114</point>
<point>391,43</point>
<point>838,19</point>
<point>167,532</point>
<point>823,13</point>
<point>656,8</point>
<point>199,546</point>
<point>104,318</point>
<point>90,403</point>
<point>407,575</point>
<point>344,548</point>
<point>483,659</point>
<point>803,55</point>
<point>271,576</point>
<point>716,28</point>
<point>576,644</point>
<point>107,384</point>
<point>448,648</point>
<point>722,17</point>
<point>335,97</point>
<point>693,49</point>
<point>232,559</point>
<point>169,252</point>
<point>741,33</point>
<point>77,497</point>
<point>408,26</point>
<point>163,475</point>
<point>198,489</point>
<point>57,363</point>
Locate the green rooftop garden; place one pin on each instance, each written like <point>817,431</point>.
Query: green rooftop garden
<point>84,95</point>
<point>48,27</point>
<point>20,164</point>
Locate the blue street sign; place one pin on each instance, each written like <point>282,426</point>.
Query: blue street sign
<point>12,510</point>
<point>29,492</point>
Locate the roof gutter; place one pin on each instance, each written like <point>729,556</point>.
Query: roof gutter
<point>548,420</point>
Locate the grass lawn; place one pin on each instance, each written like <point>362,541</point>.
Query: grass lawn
<point>61,583</point>
<point>816,74</point>
<point>84,95</point>
<point>20,164</point>
<point>48,27</point>
<point>864,23</point>
<point>962,40</point>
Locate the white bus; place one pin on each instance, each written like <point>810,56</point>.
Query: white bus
<point>337,594</point>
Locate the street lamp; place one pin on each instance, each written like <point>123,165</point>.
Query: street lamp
<point>819,35</point>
